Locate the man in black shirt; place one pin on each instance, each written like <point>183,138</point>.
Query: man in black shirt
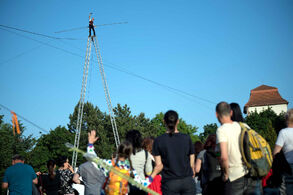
<point>175,152</point>
<point>91,25</point>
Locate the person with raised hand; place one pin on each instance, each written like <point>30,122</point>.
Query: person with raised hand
<point>117,185</point>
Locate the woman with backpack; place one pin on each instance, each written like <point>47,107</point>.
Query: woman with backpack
<point>208,168</point>
<point>117,185</point>
<point>140,159</point>
<point>198,147</point>
<point>174,155</point>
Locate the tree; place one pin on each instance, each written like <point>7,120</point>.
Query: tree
<point>157,125</point>
<point>208,129</point>
<point>93,118</point>
<point>1,119</point>
<point>267,123</point>
<point>11,145</point>
<point>51,146</point>
<point>159,128</point>
<point>124,120</point>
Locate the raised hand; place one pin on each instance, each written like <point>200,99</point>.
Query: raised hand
<point>92,137</point>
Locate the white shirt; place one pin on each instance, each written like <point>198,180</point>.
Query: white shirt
<point>285,140</point>
<point>230,133</point>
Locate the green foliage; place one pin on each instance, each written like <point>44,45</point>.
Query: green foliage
<point>1,119</point>
<point>267,123</point>
<point>51,146</point>
<point>159,127</point>
<point>11,145</point>
<point>208,129</point>
<point>157,124</point>
<point>183,127</point>
<point>93,118</point>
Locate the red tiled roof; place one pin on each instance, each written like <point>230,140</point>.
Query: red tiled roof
<point>263,87</point>
<point>265,95</point>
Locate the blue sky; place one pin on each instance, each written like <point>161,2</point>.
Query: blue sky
<point>215,50</point>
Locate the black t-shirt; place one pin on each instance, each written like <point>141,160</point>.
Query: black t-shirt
<point>175,151</point>
<point>50,186</point>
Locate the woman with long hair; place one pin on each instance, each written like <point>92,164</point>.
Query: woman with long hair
<point>49,183</point>
<point>198,147</point>
<point>174,155</point>
<point>208,167</point>
<point>140,159</point>
<point>236,113</point>
<point>66,173</point>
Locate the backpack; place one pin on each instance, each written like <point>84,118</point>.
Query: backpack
<point>211,169</point>
<point>117,185</point>
<point>255,151</point>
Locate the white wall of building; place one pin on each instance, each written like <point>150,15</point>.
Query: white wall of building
<point>276,108</point>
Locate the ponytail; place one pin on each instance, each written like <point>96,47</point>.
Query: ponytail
<point>124,151</point>
<point>170,119</point>
<point>50,165</point>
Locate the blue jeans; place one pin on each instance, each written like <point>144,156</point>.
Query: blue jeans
<point>184,186</point>
<point>243,186</point>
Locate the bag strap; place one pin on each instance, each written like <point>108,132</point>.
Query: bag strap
<point>107,178</point>
<point>146,160</point>
<point>242,137</point>
<point>146,156</point>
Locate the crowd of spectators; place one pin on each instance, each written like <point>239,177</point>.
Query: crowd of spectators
<point>169,164</point>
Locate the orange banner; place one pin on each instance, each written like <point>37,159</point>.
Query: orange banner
<point>15,123</point>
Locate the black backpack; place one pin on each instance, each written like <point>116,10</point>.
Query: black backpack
<point>211,169</point>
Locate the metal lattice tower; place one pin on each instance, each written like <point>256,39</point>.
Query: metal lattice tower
<point>83,92</point>
<point>107,94</point>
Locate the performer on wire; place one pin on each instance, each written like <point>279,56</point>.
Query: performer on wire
<point>91,25</point>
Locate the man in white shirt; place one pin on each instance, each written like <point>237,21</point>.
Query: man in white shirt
<point>234,170</point>
<point>285,142</point>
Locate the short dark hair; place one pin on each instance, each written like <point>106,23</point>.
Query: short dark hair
<point>18,157</point>
<point>62,160</point>
<point>223,109</point>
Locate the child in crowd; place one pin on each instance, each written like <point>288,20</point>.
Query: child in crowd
<point>117,185</point>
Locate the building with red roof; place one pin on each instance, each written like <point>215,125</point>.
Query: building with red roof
<point>263,97</point>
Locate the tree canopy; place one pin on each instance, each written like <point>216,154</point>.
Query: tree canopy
<point>267,123</point>
<point>11,145</point>
<point>52,145</point>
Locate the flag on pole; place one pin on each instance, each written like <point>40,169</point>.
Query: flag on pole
<point>15,123</point>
